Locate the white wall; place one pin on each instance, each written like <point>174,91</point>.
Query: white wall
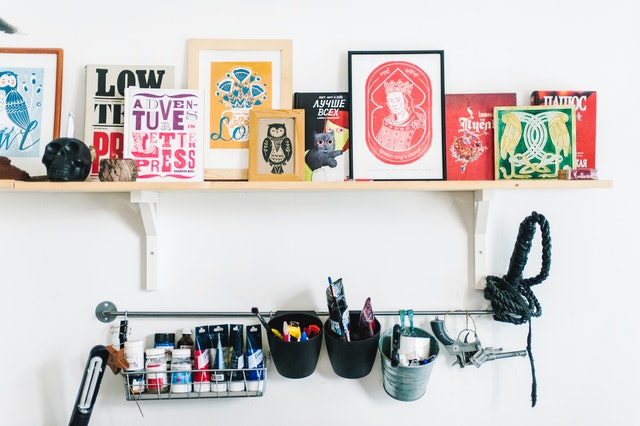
<point>62,254</point>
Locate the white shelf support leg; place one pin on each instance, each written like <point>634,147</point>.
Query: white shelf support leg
<point>148,204</point>
<point>482,199</point>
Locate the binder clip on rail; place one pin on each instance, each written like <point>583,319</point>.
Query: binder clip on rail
<point>511,297</point>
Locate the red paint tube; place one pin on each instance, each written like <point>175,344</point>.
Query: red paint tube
<point>201,361</point>
<point>367,320</point>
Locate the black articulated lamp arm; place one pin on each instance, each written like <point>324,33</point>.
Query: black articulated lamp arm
<point>91,379</point>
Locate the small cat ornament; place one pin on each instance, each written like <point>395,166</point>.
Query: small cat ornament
<point>323,152</point>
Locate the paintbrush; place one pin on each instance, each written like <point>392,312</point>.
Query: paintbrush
<point>273,331</point>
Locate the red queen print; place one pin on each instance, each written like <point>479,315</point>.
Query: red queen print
<point>398,120</point>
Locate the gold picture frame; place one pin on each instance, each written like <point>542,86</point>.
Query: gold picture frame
<point>237,76</point>
<point>534,142</point>
<point>32,82</point>
<point>275,152</point>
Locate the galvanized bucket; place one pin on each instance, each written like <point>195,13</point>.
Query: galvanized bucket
<point>405,383</point>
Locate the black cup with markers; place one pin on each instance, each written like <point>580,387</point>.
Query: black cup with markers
<point>295,357</point>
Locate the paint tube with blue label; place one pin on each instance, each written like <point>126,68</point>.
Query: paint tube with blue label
<point>255,361</point>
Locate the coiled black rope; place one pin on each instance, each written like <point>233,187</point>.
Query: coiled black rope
<point>512,299</point>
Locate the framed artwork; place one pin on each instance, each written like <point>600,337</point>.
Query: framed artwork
<point>276,145</point>
<point>397,115</point>
<point>534,142</point>
<point>30,98</point>
<point>237,76</point>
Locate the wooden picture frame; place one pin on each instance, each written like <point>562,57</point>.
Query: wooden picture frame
<point>397,115</point>
<point>279,156</point>
<point>238,76</point>
<point>534,142</point>
<point>31,90</point>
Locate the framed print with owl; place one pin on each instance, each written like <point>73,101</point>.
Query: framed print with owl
<point>238,76</point>
<point>30,97</point>
<point>534,142</point>
<point>276,145</point>
<point>397,115</point>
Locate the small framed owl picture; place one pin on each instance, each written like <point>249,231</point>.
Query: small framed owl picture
<point>30,97</point>
<point>276,147</point>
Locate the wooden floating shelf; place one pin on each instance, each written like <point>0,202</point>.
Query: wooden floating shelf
<point>146,196</point>
<point>97,186</point>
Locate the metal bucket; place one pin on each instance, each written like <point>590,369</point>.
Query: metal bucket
<point>405,383</point>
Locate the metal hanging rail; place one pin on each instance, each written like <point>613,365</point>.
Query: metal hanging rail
<point>107,312</point>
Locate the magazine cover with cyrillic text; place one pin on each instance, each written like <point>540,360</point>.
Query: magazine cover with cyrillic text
<point>469,134</point>
<point>585,105</point>
<point>326,123</point>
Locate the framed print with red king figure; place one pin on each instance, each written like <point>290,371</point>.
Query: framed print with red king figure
<point>397,115</point>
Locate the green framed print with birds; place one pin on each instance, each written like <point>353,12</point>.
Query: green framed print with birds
<point>534,142</point>
<point>30,97</point>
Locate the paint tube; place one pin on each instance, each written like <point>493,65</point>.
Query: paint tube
<point>255,361</point>
<point>338,309</point>
<point>219,377</point>
<point>367,321</point>
<point>236,383</point>
<point>201,361</point>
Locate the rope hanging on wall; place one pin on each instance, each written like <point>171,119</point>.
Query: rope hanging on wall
<point>512,299</point>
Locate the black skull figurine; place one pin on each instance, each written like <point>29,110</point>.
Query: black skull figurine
<point>67,160</point>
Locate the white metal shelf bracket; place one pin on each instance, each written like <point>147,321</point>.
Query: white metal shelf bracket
<point>148,204</point>
<point>482,199</point>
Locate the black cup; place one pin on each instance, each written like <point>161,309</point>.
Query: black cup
<point>295,360</point>
<point>354,359</point>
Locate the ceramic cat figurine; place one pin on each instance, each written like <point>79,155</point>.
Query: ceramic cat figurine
<point>323,152</point>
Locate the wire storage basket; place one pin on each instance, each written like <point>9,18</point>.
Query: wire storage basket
<point>248,382</point>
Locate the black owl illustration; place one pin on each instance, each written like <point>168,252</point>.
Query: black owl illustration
<point>277,148</point>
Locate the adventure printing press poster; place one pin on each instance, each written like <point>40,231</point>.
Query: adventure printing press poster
<point>104,103</point>
<point>164,133</point>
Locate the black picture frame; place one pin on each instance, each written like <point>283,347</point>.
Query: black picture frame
<point>397,119</point>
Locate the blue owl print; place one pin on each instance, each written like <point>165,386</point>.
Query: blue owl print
<point>21,97</point>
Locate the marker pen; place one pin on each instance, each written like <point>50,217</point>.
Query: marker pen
<point>285,332</point>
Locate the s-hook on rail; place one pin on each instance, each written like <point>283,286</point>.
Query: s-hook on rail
<point>107,312</point>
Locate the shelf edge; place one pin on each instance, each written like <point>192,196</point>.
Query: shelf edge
<point>244,186</point>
